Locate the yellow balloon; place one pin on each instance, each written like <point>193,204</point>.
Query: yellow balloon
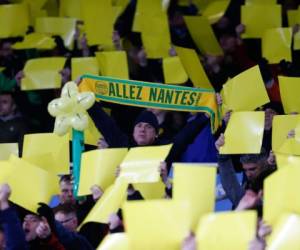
<point>86,99</point>
<point>79,121</point>
<point>66,105</point>
<point>70,89</point>
<point>53,108</point>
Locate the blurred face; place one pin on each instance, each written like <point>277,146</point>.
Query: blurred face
<point>30,224</point>
<point>228,43</point>
<point>144,134</point>
<point>6,50</point>
<point>252,170</point>
<point>69,221</point>
<point>269,114</point>
<point>7,105</point>
<point>66,192</point>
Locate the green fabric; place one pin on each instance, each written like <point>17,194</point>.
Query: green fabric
<point>7,84</point>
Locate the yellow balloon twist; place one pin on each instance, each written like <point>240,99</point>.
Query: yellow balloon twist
<point>70,109</point>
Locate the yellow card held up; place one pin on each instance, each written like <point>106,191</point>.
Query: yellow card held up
<point>70,8</point>
<point>98,167</point>
<point>98,14</point>
<point>203,35</point>
<point>156,224</point>
<point>293,17</point>
<point>113,63</point>
<point>283,185</point>
<point>195,183</point>
<point>282,125</point>
<point>265,2</point>
<point>151,191</point>
<point>289,89</point>
<point>84,65</point>
<point>193,67</point>
<point>115,241</point>
<point>61,26</point>
<point>14,20</point>
<point>109,203</point>
<point>226,230</point>
<point>258,18</point>
<point>215,10</point>
<point>156,46</point>
<point>8,148</point>
<point>285,234</point>
<point>247,92</point>
<point>141,164</point>
<point>6,169</point>
<point>285,160</point>
<point>40,185</point>
<point>297,41</point>
<point>290,146</point>
<point>244,133</point>
<point>36,41</point>
<point>43,73</point>
<point>174,72</point>
<point>48,151</point>
<point>276,45</point>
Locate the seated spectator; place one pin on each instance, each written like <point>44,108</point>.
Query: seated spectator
<point>12,124</point>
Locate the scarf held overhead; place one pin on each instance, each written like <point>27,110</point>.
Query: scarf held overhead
<point>152,95</point>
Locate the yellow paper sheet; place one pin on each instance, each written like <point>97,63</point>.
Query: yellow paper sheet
<point>149,20</point>
<point>244,133</point>
<point>290,146</point>
<point>115,241</point>
<point>293,17</point>
<point>282,125</point>
<point>109,203</point>
<point>100,14</point>
<point>141,164</point>
<point>98,167</point>
<point>31,184</point>
<point>113,63</point>
<point>283,185</point>
<point>49,151</point>
<point>70,8</point>
<point>84,65</point>
<point>285,234</point>
<point>144,10</point>
<point>42,73</point>
<point>159,224</point>
<point>289,89</point>
<point>195,183</point>
<point>276,45</point>
<point>203,35</point>
<point>259,18</point>
<point>8,148</point>
<point>227,230</point>
<point>151,191</point>
<point>285,160</point>
<point>14,20</point>
<point>215,10</point>
<point>297,41</point>
<point>247,92</point>
<point>193,67</point>
<point>36,41</point>
<point>36,9</point>
<point>260,2</point>
<point>174,72</point>
<point>156,46</point>
<point>6,169</point>
<point>61,26</point>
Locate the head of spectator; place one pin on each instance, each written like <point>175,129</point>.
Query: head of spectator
<point>254,164</point>
<point>145,129</point>
<point>6,50</point>
<point>66,215</point>
<point>228,42</point>
<point>66,190</point>
<point>7,104</point>
<point>30,225</point>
